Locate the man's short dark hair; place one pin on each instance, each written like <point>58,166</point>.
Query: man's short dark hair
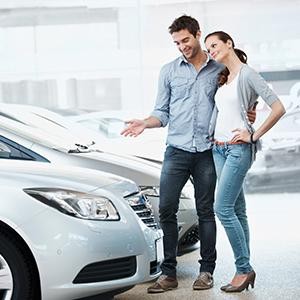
<point>185,22</point>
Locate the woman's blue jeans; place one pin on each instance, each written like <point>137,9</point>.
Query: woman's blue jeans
<point>232,163</point>
<point>177,167</point>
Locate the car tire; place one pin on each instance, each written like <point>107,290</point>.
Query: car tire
<point>17,274</point>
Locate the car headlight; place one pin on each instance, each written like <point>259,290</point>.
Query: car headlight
<point>76,204</point>
<point>151,191</point>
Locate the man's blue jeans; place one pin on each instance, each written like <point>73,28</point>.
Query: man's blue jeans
<point>177,167</point>
<point>232,163</point>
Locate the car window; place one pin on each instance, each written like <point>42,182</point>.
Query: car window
<point>12,150</point>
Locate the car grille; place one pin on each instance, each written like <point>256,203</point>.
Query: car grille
<point>142,207</point>
<point>154,267</point>
<point>107,270</point>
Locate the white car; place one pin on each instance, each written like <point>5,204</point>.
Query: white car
<point>108,124</point>
<point>68,233</point>
<point>43,135</point>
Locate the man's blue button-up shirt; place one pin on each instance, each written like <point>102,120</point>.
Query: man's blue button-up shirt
<point>185,101</point>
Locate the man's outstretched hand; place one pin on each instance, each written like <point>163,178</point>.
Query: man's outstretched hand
<point>134,127</point>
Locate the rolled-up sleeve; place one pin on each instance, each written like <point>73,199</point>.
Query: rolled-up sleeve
<point>161,109</point>
<point>261,88</point>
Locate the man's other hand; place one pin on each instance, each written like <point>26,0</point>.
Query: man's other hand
<point>252,113</point>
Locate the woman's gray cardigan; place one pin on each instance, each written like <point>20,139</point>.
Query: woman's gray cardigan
<point>250,86</point>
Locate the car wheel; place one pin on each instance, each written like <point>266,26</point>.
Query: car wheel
<point>16,274</point>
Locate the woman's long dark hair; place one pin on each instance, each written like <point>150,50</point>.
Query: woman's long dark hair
<point>223,36</point>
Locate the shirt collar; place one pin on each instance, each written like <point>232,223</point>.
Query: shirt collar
<point>183,59</point>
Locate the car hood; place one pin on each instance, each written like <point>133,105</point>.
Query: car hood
<point>131,162</point>
<point>28,174</point>
<point>149,145</point>
<point>42,126</point>
<point>46,128</point>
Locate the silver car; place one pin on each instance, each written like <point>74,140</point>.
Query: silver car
<point>68,233</point>
<point>46,136</point>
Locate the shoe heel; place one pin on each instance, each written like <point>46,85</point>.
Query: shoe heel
<point>252,280</point>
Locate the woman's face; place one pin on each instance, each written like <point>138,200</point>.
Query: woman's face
<point>217,48</point>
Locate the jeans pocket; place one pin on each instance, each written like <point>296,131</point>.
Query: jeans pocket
<point>239,155</point>
<point>170,151</point>
<point>234,153</point>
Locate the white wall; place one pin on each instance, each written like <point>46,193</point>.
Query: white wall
<point>45,45</point>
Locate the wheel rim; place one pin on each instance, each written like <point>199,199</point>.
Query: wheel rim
<point>6,280</point>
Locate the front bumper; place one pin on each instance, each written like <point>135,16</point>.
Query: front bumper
<point>65,248</point>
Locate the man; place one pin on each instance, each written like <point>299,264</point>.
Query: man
<point>185,101</point>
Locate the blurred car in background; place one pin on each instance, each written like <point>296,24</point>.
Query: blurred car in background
<point>277,167</point>
<point>109,124</point>
<point>38,134</point>
<point>69,233</point>
<point>285,132</point>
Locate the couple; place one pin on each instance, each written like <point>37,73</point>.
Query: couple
<point>207,100</point>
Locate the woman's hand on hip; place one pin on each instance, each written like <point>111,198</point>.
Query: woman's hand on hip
<point>241,135</point>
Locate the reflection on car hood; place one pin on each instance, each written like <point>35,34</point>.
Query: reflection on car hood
<point>49,129</point>
<point>47,175</point>
<point>108,125</point>
<point>44,127</point>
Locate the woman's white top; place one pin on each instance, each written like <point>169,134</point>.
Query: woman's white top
<point>229,111</point>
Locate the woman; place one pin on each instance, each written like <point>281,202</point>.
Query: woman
<point>235,145</point>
